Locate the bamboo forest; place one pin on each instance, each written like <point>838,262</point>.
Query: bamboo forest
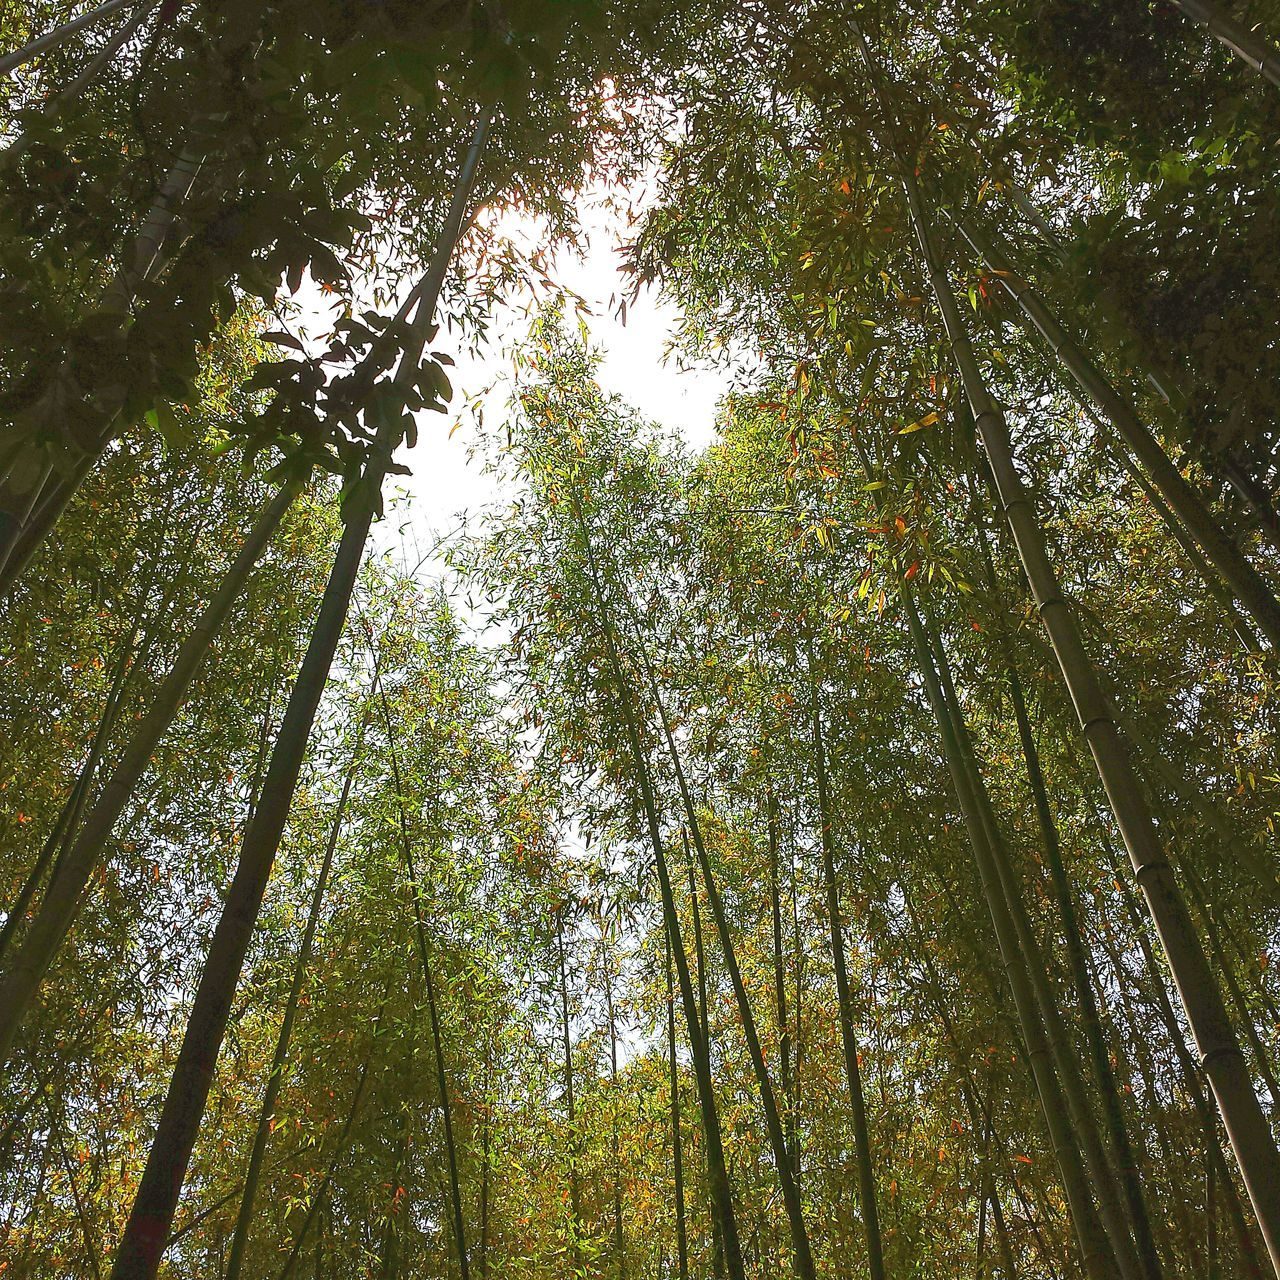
<point>825,827</point>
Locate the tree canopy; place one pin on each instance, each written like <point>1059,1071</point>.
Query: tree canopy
<point>846,849</point>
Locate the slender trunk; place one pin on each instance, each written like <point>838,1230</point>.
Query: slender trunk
<point>1216,1040</point>
<point>1091,385</point>
<point>780,981</point>
<point>59,35</point>
<point>619,1239</point>
<point>66,890</point>
<point>428,978</point>
<point>16,505</point>
<point>1258,52</point>
<point>717,1172</point>
<point>844,1000</point>
<point>152,1214</point>
<point>1117,1129</point>
<point>1002,1236</point>
<point>1112,1207</point>
<point>64,829</point>
<point>1244,633</point>
<point>29,534</point>
<point>575,1191</point>
<point>1095,1246</point>
<point>677,1152</point>
<point>275,1077</point>
<point>86,1231</point>
<point>802,1255</point>
<point>1255,496</point>
<point>797,949</point>
<point>339,1151</point>
<point>486,1140</point>
<point>1190,1076</point>
<point>700,963</point>
<point>1201,905</point>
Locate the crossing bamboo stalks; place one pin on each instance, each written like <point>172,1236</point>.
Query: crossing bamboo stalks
<point>848,1033</point>
<point>1216,1040</point>
<point>28,511</point>
<point>802,1258</point>
<point>59,35</point>
<point>725,1225</point>
<point>428,978</point>
<point>69,92</point>
<point>1095,1247</point>
<point>1112,1206</point>
<point>64,828</point>
<point>1089,384</point>
<point>1257,51</point>
<point>152,1214</point>
<point>65,892</point>
<point>1190,1076</point>
<point>1117,1129</point>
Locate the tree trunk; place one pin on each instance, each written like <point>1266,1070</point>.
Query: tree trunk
<point>802,1255</point>
<point>575,1191</point>
<point>66,890</point>
<point>1216,1040</point>
<point>1260,54</point>
<point>619,1238</point>
<point>428,978</point>
<point>1113,1112</point>
<point>151,1217</point>
<point>1095,1246</point>
<point>780,981</point>
<point>677,1153</point>
<point>848,1033</point>
<point>59,35</point>
<point>717,1172</point>
<point>1091,385</point>
<point>275,1077</point>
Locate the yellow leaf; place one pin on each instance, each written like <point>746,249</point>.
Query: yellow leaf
<point>927,421</point>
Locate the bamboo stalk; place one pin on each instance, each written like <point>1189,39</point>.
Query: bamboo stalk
<point>51,39</point>
<point>867,1197</point>
<point>1095,1246</point>
<point>1258,52</point>
<point>677,1152</point>
<point>1216,1040</point>
<point>275,1076</point>
<point>1089,384</point>
<point>728,1248</point>
<point>156,1200</point>
<point>428,977</point>
<point>65,892</point>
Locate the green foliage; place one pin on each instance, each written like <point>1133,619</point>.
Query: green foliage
<point>722,635</point>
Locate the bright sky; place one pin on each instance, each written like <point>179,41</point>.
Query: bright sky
<point>447,483</point>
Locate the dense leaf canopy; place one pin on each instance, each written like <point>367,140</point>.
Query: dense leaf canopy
<point>846,849</point>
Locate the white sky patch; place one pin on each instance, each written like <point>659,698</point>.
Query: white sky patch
<point>449,481</point>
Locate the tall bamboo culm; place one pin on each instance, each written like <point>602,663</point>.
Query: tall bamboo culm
<point>1254,49</point>
<point>151,1218</point>
<point>65,893</point>
<point>1219,1048</point>
<point>1089,384</point>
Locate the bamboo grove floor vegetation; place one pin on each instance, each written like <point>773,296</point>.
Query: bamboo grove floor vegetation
<point>846,850</point>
